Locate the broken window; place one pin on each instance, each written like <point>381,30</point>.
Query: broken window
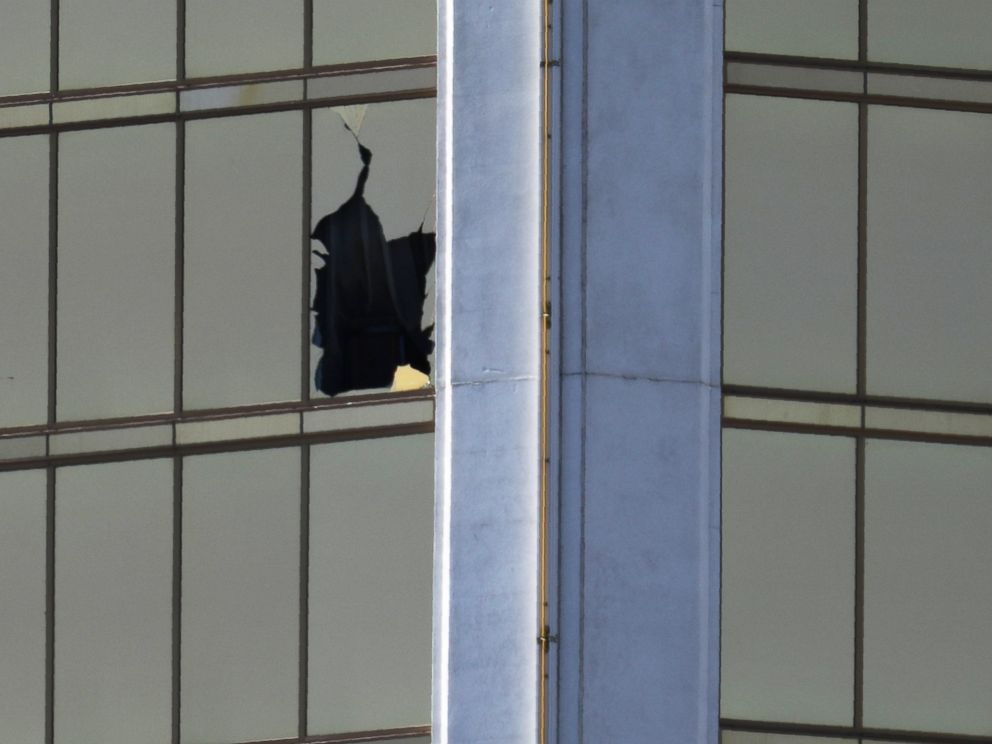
<point>371,284</point>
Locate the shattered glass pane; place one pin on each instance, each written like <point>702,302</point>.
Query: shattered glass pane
<point>373,281</point>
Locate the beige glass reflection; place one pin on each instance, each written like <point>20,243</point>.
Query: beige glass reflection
<point>23,280</point>
<point>112,42</point>
<point>240,631</point>
<point>113,615</point>
<point>787,633</point>
<point>790,281</point>
<point>22,611</point>
<point>224,37</point>
<point>361,30</point>
<point>928,254</point>
<point>807,28</point>
<point>371,537</point>
<point>24,46</point>
<point>928,558</point>
<point>943,33</point>
<point>400,188</point>
<point>116,294</point>
<point>241,333</point>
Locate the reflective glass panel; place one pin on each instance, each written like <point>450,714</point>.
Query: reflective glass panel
<point>22,611</point>
<point>241,333</point>
<point>240,631</point>
<point>113,615</point>
<point>807,28</point>
<point>788,577</point>
<point>24,47</point>
<point>371,537</point>
<point>942,33</point>
<point>400,193</point>
<point>928,557</point>
<point>361,30</point>
<point>790,291</point>
<point>116,291</point>
<point>749,737</point>
<point>23,280</point>
<point>112,42</point>
<point>224,37</point>
<point>929,261</point>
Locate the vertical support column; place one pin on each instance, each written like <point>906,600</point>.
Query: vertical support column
<point>489,316</point>
<point>640,400</point>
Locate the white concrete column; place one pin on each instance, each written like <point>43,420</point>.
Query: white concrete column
<point>486,572</point>
<point>638,616</point>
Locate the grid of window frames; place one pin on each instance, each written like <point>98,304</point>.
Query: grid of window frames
<point>195,545</point>
<point>857,372</point>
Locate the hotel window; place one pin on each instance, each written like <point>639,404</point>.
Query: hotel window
<point>857,404</point>
<point>198,546</point>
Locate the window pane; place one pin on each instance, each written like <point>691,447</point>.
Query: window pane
<point>807,28</point>
<point>224,37</point>
<point>790,312</point>
<point>244,184</point>
<point>24,280</point>
<point>928,558</point>
<point>116,317</point>
<point>111,42</point>
<point>361,30</point>
<point>788,577</point>
<point>943,33</point>
<point>113,624</point>
<point>400,187</point>
<point>371,523</point>
<point>747,737</point>
<point>24,47</point>
<point>241,553</point>
<point>928,257</point>
<point>22,611</point>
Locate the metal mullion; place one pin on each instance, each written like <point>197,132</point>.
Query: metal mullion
<point>308,34</point>
<point>859,577</point>
<point>54,35</point>
<point>305,255</point>
<point>179,277</point>
<point>862,30</point>
<point>177,594</point>
<point>180,40</point>
<point>50,605</point>
<point>862,252</point>
<point>53,272</point>
<point>304,624</point>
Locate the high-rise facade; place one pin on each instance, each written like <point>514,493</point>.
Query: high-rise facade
<point>198,545</point>
<point>708,423</point>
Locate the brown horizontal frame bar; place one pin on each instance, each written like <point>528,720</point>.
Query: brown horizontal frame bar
<point>851,732</point>
<point>813,396</point>
<point>825,63</point>
<point>299,105</point>
<point>408,732</point>
<point>176,86</point>
<point>210,414</point>
<point>875,99</point>
<point>229,445</point>
<point>843,431</point>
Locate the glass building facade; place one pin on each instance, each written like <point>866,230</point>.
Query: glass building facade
<point>197,545</point>
<point>857,404</point>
